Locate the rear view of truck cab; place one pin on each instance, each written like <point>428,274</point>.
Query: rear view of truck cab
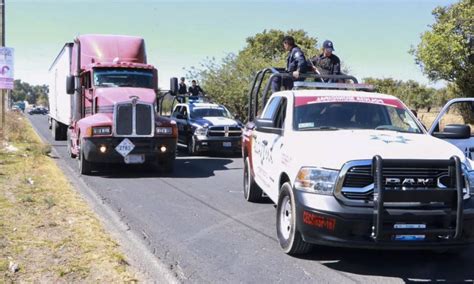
<point>104,104</point>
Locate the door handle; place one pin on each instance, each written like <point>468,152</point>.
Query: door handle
<point>265,142</point>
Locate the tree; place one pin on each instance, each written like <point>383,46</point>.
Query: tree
<point>410,92</point>
<point>446,52</point>
<point>228,81</point>
<point>34,94</point>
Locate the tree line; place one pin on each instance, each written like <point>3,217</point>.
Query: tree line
<point>33,94</point>
<point>444,53</point>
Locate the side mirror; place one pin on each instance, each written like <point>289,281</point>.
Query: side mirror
<point>268,126</point>
<point>174,86</point>
<point>454,131</point>
<point>70,88</point>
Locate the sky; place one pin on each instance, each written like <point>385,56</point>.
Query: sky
<point>372,37</point>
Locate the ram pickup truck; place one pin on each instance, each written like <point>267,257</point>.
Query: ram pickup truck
<point>351,168</point>
<point>207,127</point>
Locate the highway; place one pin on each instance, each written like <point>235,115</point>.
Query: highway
<point>197,222</point>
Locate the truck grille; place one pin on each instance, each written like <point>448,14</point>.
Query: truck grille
<point>225,131</point>
<point>134,120</point>
<point>359,177</point>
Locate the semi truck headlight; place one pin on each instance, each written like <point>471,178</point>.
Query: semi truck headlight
<point>316,180</point>
<point>164,130</point>
<point>101,130</point>
<point>200,131</point>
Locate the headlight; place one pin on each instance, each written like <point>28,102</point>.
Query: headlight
<point>164,130</point>
<point>101,130</point>
<point>200,131</point>
<point>316,180</point>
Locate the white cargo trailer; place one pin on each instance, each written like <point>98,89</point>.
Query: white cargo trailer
<point>60,103</point>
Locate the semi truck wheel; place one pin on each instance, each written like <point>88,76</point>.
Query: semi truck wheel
<point>288,235</point>
<point>69,145</point>
<point>55,131</point>
<point>58,130</point>
<point>85,167</point>
<point>252,192</point>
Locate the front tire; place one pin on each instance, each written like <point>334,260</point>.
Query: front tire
<point>290,239</point>
<point>69,145</point>
<point>85,167</point>
<point>192,146</point>
<point>252,192</point>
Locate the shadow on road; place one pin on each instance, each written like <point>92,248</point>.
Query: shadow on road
<point>193,167</point>
<point>410,266</point>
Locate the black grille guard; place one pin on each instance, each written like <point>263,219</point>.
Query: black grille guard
<point>453,197</point>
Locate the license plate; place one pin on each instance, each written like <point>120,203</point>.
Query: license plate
<point>134,159</point>
<point>227,144</point>
<point>409,238</point>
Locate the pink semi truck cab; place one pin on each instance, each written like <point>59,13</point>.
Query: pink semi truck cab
<point>103,102</point>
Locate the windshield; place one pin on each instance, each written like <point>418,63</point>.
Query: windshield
<point>210,112</point>
<point>123,77</point>
<point>353,115</point>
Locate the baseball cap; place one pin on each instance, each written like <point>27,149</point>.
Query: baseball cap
<point>328,44</point>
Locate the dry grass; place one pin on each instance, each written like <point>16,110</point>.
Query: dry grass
<point>452,117</point>
<point>46,228</point>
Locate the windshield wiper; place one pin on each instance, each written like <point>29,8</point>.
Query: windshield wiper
<point>320,128</point>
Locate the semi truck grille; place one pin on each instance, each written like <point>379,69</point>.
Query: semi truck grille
<point>224,131</point>
<point>358,181</point>
<point>134,120</point>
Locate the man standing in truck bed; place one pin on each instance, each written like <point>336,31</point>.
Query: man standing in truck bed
<point>295,65</point>
<point>327,63</point>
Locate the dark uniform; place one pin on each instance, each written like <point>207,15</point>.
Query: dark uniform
<point>182,90</point>
<point>195,91</point>
<point>295,61</point>
<point>330,65</point>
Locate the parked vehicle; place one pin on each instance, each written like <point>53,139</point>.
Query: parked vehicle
<point>352,168</point>
<point>451,125</point>
<point>207,127</point>
<point>103,102</point>
<point>38,110</point>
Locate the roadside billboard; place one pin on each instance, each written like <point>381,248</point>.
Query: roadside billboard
<point>6,68</point>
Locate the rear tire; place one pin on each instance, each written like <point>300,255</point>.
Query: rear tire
<point>55,131</point>
<point>252,192</point>
<point>290,239</point>
<point>58,130</point>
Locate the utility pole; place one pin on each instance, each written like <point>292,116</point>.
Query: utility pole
<point>2,44</point>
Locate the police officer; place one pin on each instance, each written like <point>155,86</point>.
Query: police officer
<point>195,90</point>
<point>183,89</point>
<point>327,63</point>
<point>295,65</point>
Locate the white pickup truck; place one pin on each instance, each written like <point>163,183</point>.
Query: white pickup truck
<point>356,169</point>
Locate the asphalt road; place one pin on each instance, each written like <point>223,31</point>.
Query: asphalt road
<point>197,222</point>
